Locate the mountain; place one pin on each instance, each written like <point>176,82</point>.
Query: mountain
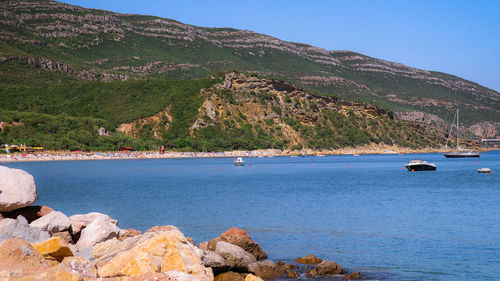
<point>58,59</point>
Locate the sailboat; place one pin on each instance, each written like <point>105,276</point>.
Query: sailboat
<point>460,153</point>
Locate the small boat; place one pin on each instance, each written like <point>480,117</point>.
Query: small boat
<point>239,162</point>
<point>460,153</point>
<point>484,170</point>
<point>420,165</point>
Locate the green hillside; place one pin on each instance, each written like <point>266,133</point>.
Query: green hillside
<point>63,61</point>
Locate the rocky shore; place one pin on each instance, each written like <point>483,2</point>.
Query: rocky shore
<point>39,243</point>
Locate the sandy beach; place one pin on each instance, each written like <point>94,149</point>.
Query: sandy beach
<point>68,156</point>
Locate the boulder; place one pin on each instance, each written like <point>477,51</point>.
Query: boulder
<point>264,269</point>
<point>160,251</point>
<point>79,222</point>
<point>287,269</point>
<point>215,261</point>
<point>237,258</point>
<point>53,222</point>
<point>326,268</point>
<point>17,254</point>
<point>53,249</point>
<point>101,249</point>
<point>52,274</point>
<point>82,267</point>
<point>175,275</point>
<point>230,276</point>
<point>352,276</point>
<point>10,228</point>
<point>65,236</point>
<point>17,189</point>
<point>309,259</point>
<point>126,233</point>
<point>239,237</point>
<point>97,231</point>
<point>30,213</point>
<point>251,277</point>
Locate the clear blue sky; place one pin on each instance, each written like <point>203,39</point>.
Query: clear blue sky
<point>457,37</point>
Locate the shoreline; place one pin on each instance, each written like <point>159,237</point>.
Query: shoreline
<point>114,155</point>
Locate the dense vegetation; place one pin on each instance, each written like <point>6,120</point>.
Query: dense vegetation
<point>66,68</point>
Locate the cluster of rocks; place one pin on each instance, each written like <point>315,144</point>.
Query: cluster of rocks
<point>39,243</point>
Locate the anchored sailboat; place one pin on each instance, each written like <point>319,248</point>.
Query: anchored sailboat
<point>460,153</point>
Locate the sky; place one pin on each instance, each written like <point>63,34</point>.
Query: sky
<point>458,37</point>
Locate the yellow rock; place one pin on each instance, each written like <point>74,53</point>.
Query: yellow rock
<point>100,249</point>
<point>53,249</point>
<point>251,277</point>
<point>50,275</point>
<point>156,252</point>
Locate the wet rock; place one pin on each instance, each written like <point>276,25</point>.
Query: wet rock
<point>17,189</point>
<point>230,276</point>
<point>53,222</point>
<point>215,261</point>
<point>82,267</point>
<point>352,276</point>
<point>17,254</point>
<point>264,269</point>
<point>309,259</point>
<point>53,249</point>
<point>30,213</point>
<point>10,228</point>
<point>326,268</point>
<point>287,270</point>
<point>97,231</point>
<point>237,258</point>
<point>239,237</point>
<point>160,251</point>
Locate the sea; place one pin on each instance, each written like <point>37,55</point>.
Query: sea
<point>366,212</point>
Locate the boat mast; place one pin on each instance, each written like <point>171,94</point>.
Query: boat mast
<point>458,147</point>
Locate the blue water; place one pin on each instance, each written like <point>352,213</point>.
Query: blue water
<point>365,212</point>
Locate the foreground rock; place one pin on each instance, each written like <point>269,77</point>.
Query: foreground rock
<point>309,259</point>
<point>17,189</point>
<point>53,249</point>
<point>80,221</point>
<point>30,213</point>
<point>97,231</point>
<point>17,254</point>
<point>264,269</point>
<point>237,258</point>
<point>52,222</point>
<point>230,276</point>
<point>160,251</point>
<point>82,267</point>
<point>215,261</point>
<point>326,268</point>
<point>11,228</point>
<point>239,237</point>
<point>352,276</point>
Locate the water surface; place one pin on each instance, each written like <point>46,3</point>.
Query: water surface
<point>365,212</point>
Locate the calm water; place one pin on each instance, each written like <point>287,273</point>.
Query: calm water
<point>364,212</point>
